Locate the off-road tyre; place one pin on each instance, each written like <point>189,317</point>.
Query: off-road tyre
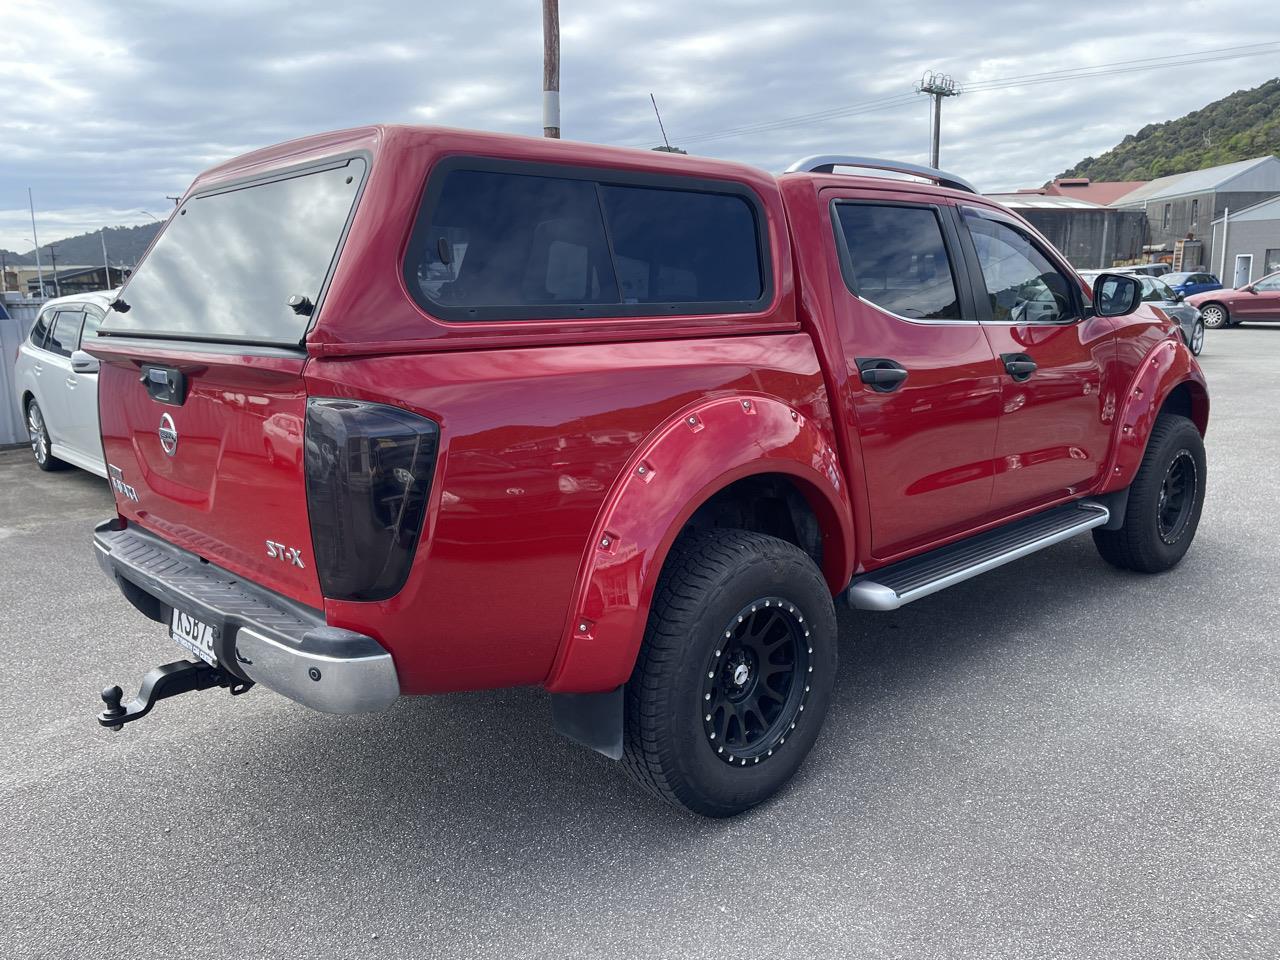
<point>1165,501</point>
<point>730,602</point>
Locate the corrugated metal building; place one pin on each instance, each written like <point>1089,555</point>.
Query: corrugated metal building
<point>1187,204</point>
<point>1090,235</point>
<point>1252,248</point>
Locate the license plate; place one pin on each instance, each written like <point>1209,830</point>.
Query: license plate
<point>193,636</point>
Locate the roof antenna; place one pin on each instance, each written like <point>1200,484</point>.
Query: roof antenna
<point>665,141</point>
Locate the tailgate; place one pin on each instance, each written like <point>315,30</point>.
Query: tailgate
<point>217,467</point>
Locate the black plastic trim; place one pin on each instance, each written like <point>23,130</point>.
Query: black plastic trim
<point>155,576</point>
<point>591,719</point>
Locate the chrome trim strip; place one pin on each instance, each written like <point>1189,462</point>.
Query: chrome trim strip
<point>827,162</point>
<point>869,595</point>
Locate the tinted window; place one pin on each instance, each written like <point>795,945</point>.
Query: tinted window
<point>92,321</point>
<point>1155,291</point>
<point>41,327</point>
<point>1268,283</point>
<point>514,245</point>
<point>499,239</point>
<point>1023,285</point>
<point>674,246</point>
<point>898,261</point>
<point>64,336</point>
<point>226,265</point>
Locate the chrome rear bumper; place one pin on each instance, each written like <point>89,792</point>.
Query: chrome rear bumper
<point>260,635</point>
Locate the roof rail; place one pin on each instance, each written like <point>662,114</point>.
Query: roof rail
<point>827,162</point>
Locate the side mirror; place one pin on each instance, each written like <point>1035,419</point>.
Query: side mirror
<point>1116,295</point>
<point>82,362</point>
<point>1247,288</point>
<point>1179,295</point>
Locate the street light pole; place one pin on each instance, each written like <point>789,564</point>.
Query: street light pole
<point>551,69</point>
<point>39,269</point>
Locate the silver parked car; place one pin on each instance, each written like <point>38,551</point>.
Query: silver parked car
<point>1159,294</point>
<point>57,383</point>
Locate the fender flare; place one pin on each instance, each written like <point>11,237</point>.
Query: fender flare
<point>1167,366</point>
<point>698,452</point>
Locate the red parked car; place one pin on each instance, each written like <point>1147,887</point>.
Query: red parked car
<point>1259,300</point>
<point>621,424</point>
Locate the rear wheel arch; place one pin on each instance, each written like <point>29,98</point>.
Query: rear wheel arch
<point>771,467</point>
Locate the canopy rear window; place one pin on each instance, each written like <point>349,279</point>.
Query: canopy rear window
<point>229,263</point>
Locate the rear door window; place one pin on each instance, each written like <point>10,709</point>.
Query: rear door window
<point>507,242</point>
<point>895,257</point>
<point>227,264</point>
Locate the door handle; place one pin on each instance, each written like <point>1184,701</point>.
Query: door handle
<point>1018,365</point>
<point>881,374</point>
<point>71,381</point>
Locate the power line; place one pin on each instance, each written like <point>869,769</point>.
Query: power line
<point>849,110</point>
<point>1114,68</point>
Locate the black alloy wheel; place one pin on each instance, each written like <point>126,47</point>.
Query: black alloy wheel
<point>757,682</point>
<point>1177,497</point>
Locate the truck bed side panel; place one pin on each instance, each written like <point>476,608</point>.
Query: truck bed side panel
<point>531,442</point>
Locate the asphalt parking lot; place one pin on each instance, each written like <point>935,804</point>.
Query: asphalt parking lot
<point>1054,760</point>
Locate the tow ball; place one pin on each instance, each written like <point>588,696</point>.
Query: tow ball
<point>167,680</point>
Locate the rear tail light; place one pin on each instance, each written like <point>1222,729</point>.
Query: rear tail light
<point>369,469</point>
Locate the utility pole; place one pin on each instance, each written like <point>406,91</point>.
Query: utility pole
<point>937,85</point>
<point>36,240</point>
<point>551,69</point>
<point>57,290</point>
<point>102,235</point>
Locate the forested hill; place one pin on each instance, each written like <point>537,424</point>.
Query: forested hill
<point>124,245</point>
<point>1243,125</point>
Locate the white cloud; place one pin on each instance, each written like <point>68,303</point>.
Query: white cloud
<point>112,104</point>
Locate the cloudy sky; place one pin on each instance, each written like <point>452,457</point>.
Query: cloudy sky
<point>111,104</point>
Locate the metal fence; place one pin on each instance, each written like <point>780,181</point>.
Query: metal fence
<point>13,330</point>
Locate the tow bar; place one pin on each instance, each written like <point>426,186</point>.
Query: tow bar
<point>167,680</point>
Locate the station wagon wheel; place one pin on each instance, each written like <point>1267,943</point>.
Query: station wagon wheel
<point>38,433</point>
<point>1214,316</point>
<point>735,672</point>
<point>1197,338</point>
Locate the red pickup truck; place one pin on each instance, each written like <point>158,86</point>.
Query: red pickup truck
<point>399,411</point>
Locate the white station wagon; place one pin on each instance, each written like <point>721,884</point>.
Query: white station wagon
<point>57,383</point>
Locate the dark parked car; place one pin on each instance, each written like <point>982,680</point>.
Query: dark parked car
<point>1189,283</point>
<point>1157,293</point>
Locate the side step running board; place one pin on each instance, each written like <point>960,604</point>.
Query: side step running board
<point>890,587</point>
